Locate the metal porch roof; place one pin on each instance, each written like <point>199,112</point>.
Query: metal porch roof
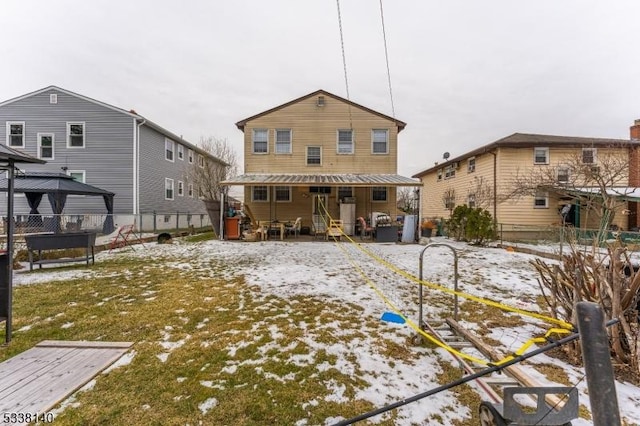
<point>361,179</point>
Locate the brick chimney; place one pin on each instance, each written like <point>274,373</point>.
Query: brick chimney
<point>635,130</point>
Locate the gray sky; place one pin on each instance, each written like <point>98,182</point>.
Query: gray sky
<point>464,73</point>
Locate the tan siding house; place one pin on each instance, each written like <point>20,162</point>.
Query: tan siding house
<point>320,150</point>
<point>489,173</point>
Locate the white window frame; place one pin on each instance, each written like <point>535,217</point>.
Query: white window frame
<point>544,197</point>
<point>53,144</point>
<point>373,141</point>
<point>307,156</point>
<point>546,155</point>
<point>83,179</point>
<point>563,171</point>
<point>53,98</point>
<point>24,131</point>
<point>180,152</point>
<point>449,171</point>
<point>351,150</point>
<point>283,147</point>
<point>253,194</point>
<point>471,165</point>
<point>201,161</point>
<point>180,188</point>
<point>380,190</point>
<point>84,134</point>
<point>280,191</point>
<point>439,175</point>
<point>253,141</point>
<point>190,156</point>
<point>471,201</point>
<point>169,150</point>
<point>169,187</point>
<point>594,154</point>
<point>190,192</point>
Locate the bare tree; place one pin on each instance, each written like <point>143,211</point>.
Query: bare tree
<point>483,192</point>
<point>449,199</point>
<point>406,199</point>
<point>207,174</point>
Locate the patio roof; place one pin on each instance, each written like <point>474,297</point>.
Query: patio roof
<point>361,179</point>
<point>627,193</point>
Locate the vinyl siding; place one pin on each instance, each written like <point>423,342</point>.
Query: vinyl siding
<point>154,168</point>
<point>106,157</point>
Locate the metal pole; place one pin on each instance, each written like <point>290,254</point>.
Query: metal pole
<point>9,277</point>
<point>597,364</point>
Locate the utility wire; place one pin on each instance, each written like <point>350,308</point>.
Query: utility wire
<point>386,56</point>
<point>344,63</point>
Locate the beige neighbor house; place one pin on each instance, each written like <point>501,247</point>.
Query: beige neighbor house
<point>320,151</point>
<point>496,171</point>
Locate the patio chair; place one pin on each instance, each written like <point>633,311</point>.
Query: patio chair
<point>365,230</point>
<point>125,235</point>
<point>294,228</point>
<point>319,229</point>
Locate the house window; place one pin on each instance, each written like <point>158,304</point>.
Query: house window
<point>45,146</point>
<point>168,189</point>
<point>471,200</point>
<point>53,98</point>
<point>78,175</point>
<point>180,152</point>
<point>379,193</point>
<point>15,134</point>
<point>471,165</point>
<point>283,194</point>
<point>588,155</point>
<point>345,192</point>
<point>380,141</point>
<point>201,160</point>
<point>314,156</point>
<point>449,171</point>
<point>439,174</point>
<point>283,141</point>
<point>541,201</point>
<point>180,188</point>
<point>169,147</point>
<point>345,141</point>
<point>260,141</point>
<point>190,190</point>
<point>190,155</point>
<point>259,193</point>
<point>540,155</point>
<point>563,175</point>
<point>75,135</point>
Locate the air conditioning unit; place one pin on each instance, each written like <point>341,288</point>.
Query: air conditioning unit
<point>456,165</point>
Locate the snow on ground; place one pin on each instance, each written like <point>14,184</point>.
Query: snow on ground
<point>356,274</point>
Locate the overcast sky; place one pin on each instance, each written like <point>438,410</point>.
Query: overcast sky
<point>463,73</point>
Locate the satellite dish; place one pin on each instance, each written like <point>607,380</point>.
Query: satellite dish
<point>445,155</point>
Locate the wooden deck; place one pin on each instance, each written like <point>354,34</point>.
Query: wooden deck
<point>36,380</point>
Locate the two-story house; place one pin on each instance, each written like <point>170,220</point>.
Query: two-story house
<point>120,151</point>
<point>320,151</point>
<point>491,176</point>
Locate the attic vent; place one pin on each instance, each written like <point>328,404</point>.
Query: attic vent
<point>320,101</point>
<point>53,98</point>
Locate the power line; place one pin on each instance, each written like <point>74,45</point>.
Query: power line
<point>344,63</point>
<point>386,55</point>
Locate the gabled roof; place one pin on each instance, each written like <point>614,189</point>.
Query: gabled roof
<point>131,113</point>
<point>525,140</point>
<point>400,124</point>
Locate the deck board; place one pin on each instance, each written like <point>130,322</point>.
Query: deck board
<point>43,376</point>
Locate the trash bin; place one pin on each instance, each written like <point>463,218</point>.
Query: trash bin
<point>232,227</point>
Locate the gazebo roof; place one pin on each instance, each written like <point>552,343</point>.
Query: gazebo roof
<point>9,154</point>
<point>47,182</point>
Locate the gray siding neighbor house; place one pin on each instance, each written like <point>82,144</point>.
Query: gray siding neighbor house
<point>145,165</point>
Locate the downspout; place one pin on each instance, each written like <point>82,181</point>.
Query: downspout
<point>136,166</point>
<point>495,191</point>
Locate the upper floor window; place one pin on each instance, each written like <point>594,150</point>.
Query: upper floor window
<point>345,141</point>
<point>259,193</point>
<point>190,190</point>
<point>201,160</point>
<point>15,134</point>
<point>168,189</point>
<point>379,193</point>
<point>169,147</point>
<point>314,156</point>
<point>180,188</point>
<point>589,155</point>
<point>563,174</point>
<point>190,156</point>
<point>541,200</point>
<point>283,141</point>
<point>75,135</point>
<point>450,171</point>
<point>283,193</point>
<point>439,174</point>
<point>180,152</point>
<point>471,165</point>
<point>260,141</point>
<point>45,146</point>
<point>540,155</point>
<point>471,200</point>
<point>380,141</point>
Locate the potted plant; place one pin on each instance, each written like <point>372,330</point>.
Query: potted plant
<point>427,227</point>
